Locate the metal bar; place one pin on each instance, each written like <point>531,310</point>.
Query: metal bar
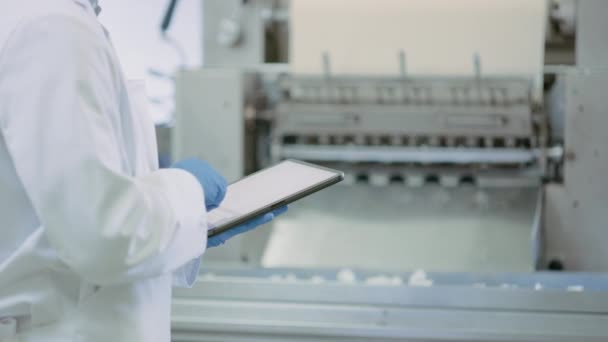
<point>253,308</point>
<point>296,320</point>
<point>408,326</point>
<point>465,298</point>
<point>397,154</point>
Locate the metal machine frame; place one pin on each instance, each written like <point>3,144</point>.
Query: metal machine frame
<point>250,306</point>
<point>556,147</point>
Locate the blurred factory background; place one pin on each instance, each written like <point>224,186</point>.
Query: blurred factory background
<point>147,55</point>
<point>472,134</point>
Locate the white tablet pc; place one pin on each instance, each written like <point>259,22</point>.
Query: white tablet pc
<point>267,190</point>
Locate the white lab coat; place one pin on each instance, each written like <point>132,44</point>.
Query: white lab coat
<point>93,235</point>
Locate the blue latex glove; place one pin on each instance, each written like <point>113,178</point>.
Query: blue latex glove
<point>214,185</point>
<point>220,239</point>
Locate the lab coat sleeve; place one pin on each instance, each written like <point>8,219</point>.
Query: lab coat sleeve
<point>60,117</point>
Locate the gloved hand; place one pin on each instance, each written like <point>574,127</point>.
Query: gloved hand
<point>214,185</point>
<point>220,239</point>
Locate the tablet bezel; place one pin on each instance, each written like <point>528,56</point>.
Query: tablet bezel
<point>338,177</point>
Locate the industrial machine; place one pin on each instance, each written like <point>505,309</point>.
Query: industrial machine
<point>474,167</point>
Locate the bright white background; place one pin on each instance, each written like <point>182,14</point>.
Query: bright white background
<point>134,26</point>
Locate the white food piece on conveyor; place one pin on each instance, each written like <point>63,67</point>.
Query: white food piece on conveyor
<point>538,286</point>
<point>323,139</point>
<point>347,276</point>
<point>508,286</point>
<point>382,280</point>
<point>488,141</point>
<point>415,181</point>
<point>376,179</point>
<point>291,278</point>
<point>317,280</point>
<point>576,288</point>
<point>471,141</point>
<point>449,181</point>
<point>276,278</point>
<point>510,142</point>
<point>418,278</point>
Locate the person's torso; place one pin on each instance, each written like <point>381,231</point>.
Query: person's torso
<point>34,283</point>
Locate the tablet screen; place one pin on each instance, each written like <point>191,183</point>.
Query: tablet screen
<point>266,188</point>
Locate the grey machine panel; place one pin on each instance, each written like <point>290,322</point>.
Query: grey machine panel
<point>209,120</point>
<point>210,125</point>
<point>592,26</point>
<point>575,213</point>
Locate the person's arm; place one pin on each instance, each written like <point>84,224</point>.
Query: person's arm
<point>58,107</point>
